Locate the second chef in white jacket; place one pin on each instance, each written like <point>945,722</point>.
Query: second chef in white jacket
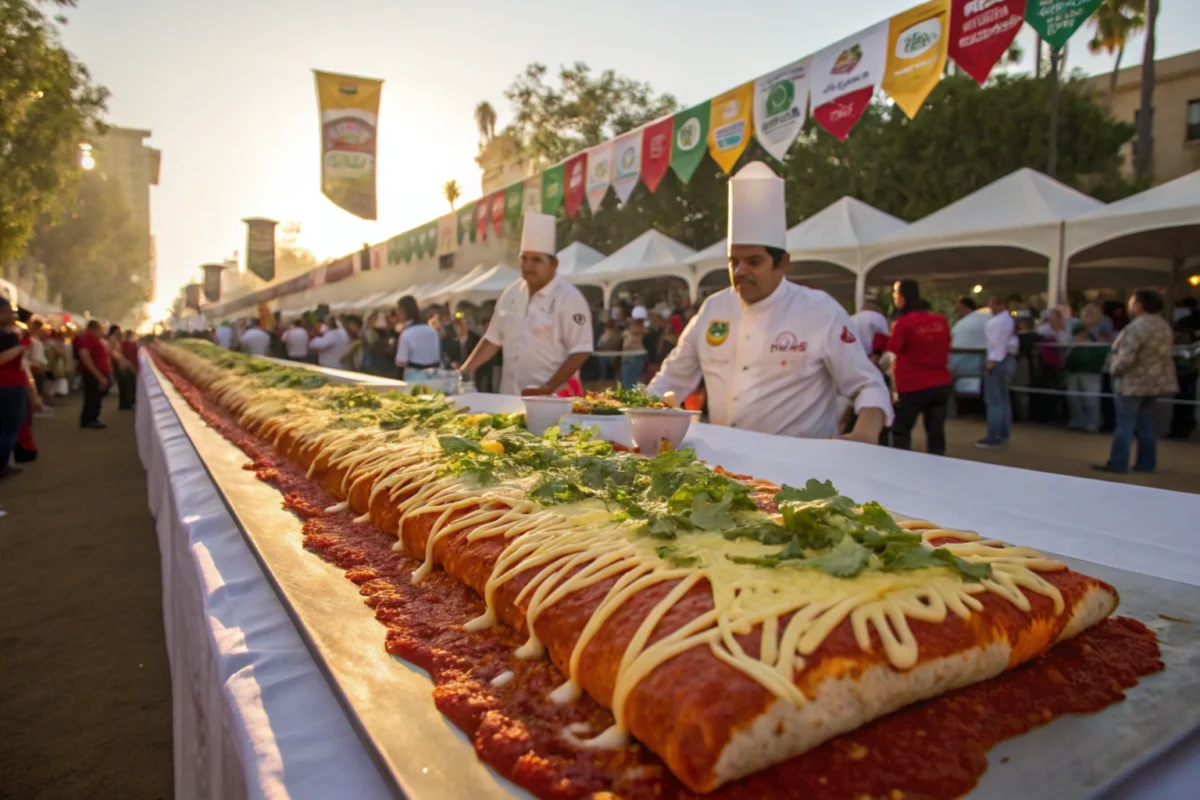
<point>774,356</point>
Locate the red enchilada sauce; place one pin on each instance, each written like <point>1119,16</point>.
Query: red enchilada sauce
<point>934,749</point>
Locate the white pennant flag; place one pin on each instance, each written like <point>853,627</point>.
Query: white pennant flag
<point>781,105</point>
<point>599,174</point>
<point>627,164</point>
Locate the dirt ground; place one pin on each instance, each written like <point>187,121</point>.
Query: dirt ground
<point>85,693</point>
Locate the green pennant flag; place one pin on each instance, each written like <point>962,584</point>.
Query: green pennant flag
<point>408,246</point>
<point>395,250</point>
<point>466,223</point>
<point>552,190</point>
<point>1056,20</point>
<point>690,143</point>
<point>429,239</point>
<point>514,196</point>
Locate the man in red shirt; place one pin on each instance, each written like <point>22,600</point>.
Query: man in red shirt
<point>95,366</point>
<point>920,341</point>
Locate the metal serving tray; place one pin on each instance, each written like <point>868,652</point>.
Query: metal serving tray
<point>420,754</point>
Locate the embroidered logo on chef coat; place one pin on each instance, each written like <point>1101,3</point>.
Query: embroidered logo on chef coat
<point>579,319</point>
<point>787,342</point>
<point>847,336</point>
<point>718,332</point>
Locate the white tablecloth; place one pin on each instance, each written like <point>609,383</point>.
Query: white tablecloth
<point>254,717</point>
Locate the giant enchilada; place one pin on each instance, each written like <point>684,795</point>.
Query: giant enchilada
<point>727,624</point>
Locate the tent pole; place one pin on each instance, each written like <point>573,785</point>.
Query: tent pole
<point>860,290</point>
<point>1056,278</point>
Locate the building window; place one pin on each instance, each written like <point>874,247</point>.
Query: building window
<point>1193,121</point>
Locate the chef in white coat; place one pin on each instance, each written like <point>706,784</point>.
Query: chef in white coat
<point>774,356</point>
<point>542,323</point>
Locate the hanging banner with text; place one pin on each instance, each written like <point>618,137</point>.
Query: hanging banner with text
<point>429,239</point>
<point>780,103</point>
<point>627,164</point>
<point>532,199</point>
<point>260,247</point>
<point>349,108</point>
<point>574,183</point>
<point>496,209</point>
<point>1056,20</point>
<point>981,32</point>
<point>916,54</point>
<point>691,133</point>
<point>599,174</point>
<point>729,125</point>
<point>447,234</point>
<point>481,217</point>
<point>552,190</point>
<point>514,197</point>
<point>466,223</point>
<point>656,151</point>
<point>845,76</point>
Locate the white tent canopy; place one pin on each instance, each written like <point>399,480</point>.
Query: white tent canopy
<point>651,255</point>
<point>577,257</point>
<point>1163,222</point>
<point>1016,221</point>
<point>487,286</point>
<point>444,294</point>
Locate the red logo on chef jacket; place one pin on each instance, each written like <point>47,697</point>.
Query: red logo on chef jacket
<point>848,336</point>
<point>788,343</point>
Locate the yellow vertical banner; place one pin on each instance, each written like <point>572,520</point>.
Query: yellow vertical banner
<point>916,54</point>
<point>729,127</point>
<point>349,108</point>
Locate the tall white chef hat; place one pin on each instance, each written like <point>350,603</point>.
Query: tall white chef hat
<point>756,207</point>
<point>537,235</point>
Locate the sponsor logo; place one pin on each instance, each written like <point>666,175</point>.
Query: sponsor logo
<point>728,137</point>
<point>848,336</point>
<point>576,175</point>
<point>350,89</point>
<point>628,156</point>
<point>729,110</point>
<point>780,97</point>
<point>579,319</point>
<point>688,135</point>
<point>787,342</point>
<point>918,39</point>
<point>600,170</point>
<point>841,111</point>
<point>717,333</point>
<point>847,60</point>
<point>658,146</point>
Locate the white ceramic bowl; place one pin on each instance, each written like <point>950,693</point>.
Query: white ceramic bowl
<point>649,426</point>
<point>543,413</point>
<point>609,427</point>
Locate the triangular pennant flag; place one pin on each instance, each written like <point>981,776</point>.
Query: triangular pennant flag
<point>532,199</point>
<point>466,223</point>
<point>482,215</point>
<point>514,197</point>
<point>729,125</point>
<point>687,148</point>
<point>552,190</point>
<point>599,174</point>
<point>497,211</point>
<point>916,54</point>
<point>656,151</point>
<point>980,33</point>
<point>1056,20</point>
<point>447,234</point>
<point>627,164</point>
<point>780,106</point>
<point>845,76</point>
<point>395,250</point>
<point>575,183</point>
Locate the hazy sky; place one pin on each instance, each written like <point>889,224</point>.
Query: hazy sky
<point>227,89</point>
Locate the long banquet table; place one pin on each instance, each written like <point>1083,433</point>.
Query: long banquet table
<point>254,716</point>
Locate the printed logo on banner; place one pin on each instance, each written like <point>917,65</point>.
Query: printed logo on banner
<point>691,130</point>
<point>497,209</point>
<point>916,54</point>
<point>730,125</point>
<point>599,160</point>
<point>845,75</point>
<point>689,135</point>
<point>576,180</point>
<point>656,151</point>
<point>628,165</point>
<point>481,218</point>
<point>981,32</point>
<point>781,100</point>
<point>552,190</point>
<point>1056,20</point>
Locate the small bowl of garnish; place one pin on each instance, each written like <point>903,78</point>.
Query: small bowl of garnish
<point>656,429</point>
<point>544,412</point>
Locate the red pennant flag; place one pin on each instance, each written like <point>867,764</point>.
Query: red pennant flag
<point>980,33</point>
<point>481,219</point>
<point>656,151</point>
<point>575,183</point>
<point>497,211</point>
<point>840,115</point>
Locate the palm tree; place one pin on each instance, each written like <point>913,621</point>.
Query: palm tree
<point>1113,23</point>
<point>451,191</point>
<point>1144,143</point>
<point>485,121</point>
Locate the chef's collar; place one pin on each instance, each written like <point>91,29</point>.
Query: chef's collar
<point>550,284</point>
<point>768,302</point>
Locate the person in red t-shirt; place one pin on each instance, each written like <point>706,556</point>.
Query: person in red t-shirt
<point>14,386</point>
<point>920,341</point>
<point>95,367</point>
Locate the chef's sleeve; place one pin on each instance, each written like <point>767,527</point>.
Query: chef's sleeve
<point>853,373</point>
<point>680,372</point>
<point>575,324</point>
<point>494,332</point>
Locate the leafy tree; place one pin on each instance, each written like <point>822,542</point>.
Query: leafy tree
<point>93,254</point>
<point>48,106</point>
<point>451,191</point>
<point>1112,24</point>
<point>551,123</point>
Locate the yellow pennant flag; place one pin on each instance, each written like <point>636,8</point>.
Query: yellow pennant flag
<point>349,128</point>
<point>729,127</point>
<point>916,55</point>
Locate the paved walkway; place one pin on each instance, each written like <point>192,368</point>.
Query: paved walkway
<point>85,695</point>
